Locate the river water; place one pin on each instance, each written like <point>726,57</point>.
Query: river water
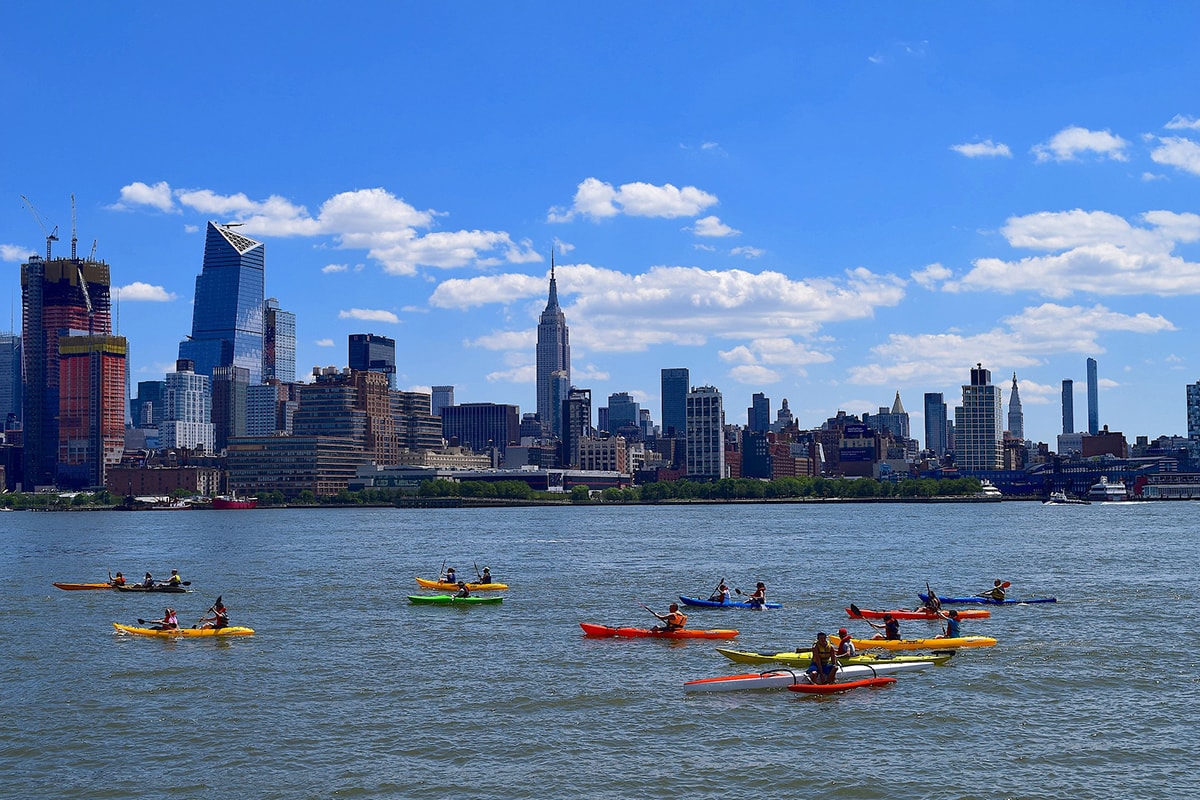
<point>347,691</point>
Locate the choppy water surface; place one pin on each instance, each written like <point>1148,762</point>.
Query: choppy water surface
<point>348,691</point>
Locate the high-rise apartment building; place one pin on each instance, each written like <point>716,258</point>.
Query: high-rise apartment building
<point>1193,423</point>
<point>1093,394</point>
<point>577,424</point>
<point>705,434</point>
<point>1016,417</point>
<point>553,354</point>
<point>227,313</point>
<point>675,388</point>
<point>935,424</point>
<point>371,353</point>
<point>279,343</point>
<point>185,415</point>
<point>91,408</point>
<point>1068,406</point>
<point>229,388</point>
<point>758,415</point>
<point>979,424</point>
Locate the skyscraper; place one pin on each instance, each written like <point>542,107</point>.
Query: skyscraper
<point>229,385</point>
<point>1068,406</point>
<point>705,434</point>
<point>623,412</point>
<point>227,313</point>
<point>279,342</point>
<point>1093,390</point>
<point>758,415</point>
<point>935,424</point>
<point>577,423</point>
<point>979,425</point>
<point>442,396</point>
<point>91,408</point>
<point>371,353</point>
<point>675,387</point>
<point>560,387</point>
<point>553,353</point>
<point>10,376</point>
<point>1193,423</point>
<point>186,413</point>
<point>1016,418</point>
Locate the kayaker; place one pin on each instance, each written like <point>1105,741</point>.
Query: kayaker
<point>219,619</point>
<point>148,581</point>
<point>119,580</point>
<point>997,590</point>
<point>673,620</point>
<point>169,622</point>
<point>449,577</point>
<point>758,598</point>
<point>721,595</point>
<point>845,647</point>
<point>463,591</point>
<point>823,665</point>
<point>890,627</point>
<point>174,580</point>
<point>952,630</point>
<point>933,604</point>
<point>486,576</point>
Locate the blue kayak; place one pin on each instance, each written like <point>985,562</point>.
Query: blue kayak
<point>695,601</point>
<point>989,600</point>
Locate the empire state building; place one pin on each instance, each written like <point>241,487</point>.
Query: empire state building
<point>553,355</point>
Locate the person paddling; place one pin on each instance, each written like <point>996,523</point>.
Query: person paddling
<point>463,591</point>
<point>952,629</point>
<point>890,627</point>
<point>721,595</point>
<point>148,581</point>
<point>673,620</point>
<point>997,590</point>
<point>220,617</point>
<point>119,580</point>
<point>449,577</point>
<point>486,575</point>
<point>758,598</point>
<point>174,580</point>
<point>169,621</point>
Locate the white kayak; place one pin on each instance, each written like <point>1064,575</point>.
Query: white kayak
<point>780,678</point>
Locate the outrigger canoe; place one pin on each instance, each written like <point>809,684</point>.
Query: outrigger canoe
<point>449,600</point>
<point>156,588</point>
<point>74,587</point>
<point>803,657</point>
<point>923,613</point>
<point>787,678</point>
<point>696,601</point>
<point>233,630</point>
<point>590,629</point>
<point>450,587</point>
<point>924,644</point>
<point>991,600</point>
<point>833,688</point>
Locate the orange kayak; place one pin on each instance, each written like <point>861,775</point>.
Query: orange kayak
<point>921,613</point>
<point>72,587</point>
<point>830,688</point>
<point>590,629</point>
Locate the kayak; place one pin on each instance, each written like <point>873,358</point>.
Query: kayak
<point>695,601</point>
<point>448,600</point>
<point>590,629</point>
<point>922,613</point>
<point>991,600</point>
<point>74,587</point>
<point>831,688</point>
<point>450,587</point>
<point>802,658</point>
<point>925,644</point>
<point>232,630</point>
<point>786,678</point>
<point>156,588</point>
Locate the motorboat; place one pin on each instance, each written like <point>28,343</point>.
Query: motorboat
<point>1107,491</point>
<point>1061,499</point>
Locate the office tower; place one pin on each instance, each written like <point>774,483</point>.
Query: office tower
<point>1193,423</point>
<point>62,298</point>
<point>577,424</point>
<point>784,418</point>
<point>371,353</point>
<point>705,434</point>
<point>675,387</point>
<point>758,415</point>
<point>279,343</point>
<point>1093,390</point>
<point>560,387</point>
<point>894,420</point>
<point>10,376</point>
<point>185,416</point>
<point>229,385</point>
<point>91,408</point>
<point>756,454</point>
<point>442,396</point>
<point>1016,417</point>
<point>935,424</point>
<point>979,425</point>
<point>646,424</point>
<point>482,426</point>
<point>553,354</point>
<point>602,419</point>
<point>227,313</point>
<point>146,410</point>
<point>1068,406</point>
<point>623,412</point>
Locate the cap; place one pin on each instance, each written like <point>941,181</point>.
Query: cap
<point>842,631</point>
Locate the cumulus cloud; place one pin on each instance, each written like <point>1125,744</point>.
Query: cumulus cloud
<point>985,149</point>
<point>1092,251</point>
<point>144,291</point>
<point>369,315</point>
<point>523,374</point>
<point>15,253</point>
<point>323,342</point>
<point>930,276</point>
<point>330,268</point>
<point>747,251</point>
<point>598,200</point>
<point>758,359</point>
<point>1180,122</point>
<point>712,226</point>
<point>1177,152</point>
<point>138,194</point>
<point>754,375</point>
<point>1069,143</point>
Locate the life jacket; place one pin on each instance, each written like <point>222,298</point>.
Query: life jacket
<point>845,646</point>
<point>822,652</point>
<point>676,620</point>
<point>891,629</point>
<point>175,580</point>
<point>171,621</point>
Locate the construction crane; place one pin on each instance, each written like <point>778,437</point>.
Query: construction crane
<point>92,255</point>
<point>51,236</point>
<point>74,238</point>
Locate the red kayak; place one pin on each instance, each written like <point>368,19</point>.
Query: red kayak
<point>590,629</point>
<point>921,613</point>
<point>831,688</point>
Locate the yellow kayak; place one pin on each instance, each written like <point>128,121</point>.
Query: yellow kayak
<point>449,587</point>
<point>229,631</point>
<point>924,644</point>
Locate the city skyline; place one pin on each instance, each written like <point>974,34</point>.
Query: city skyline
<point>783,201</point>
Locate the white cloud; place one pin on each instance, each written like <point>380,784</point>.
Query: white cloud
<point>522,374</point>
<point>1069,143</point>
<point>506,340</point>
<point>141,194</point>
<point>599,200</point>
<point>712,226</point>
<point>588,372</point>
<point>747,251</point>
<point>369,315</point>
<point>1178,152</point>
<point>144,291</point>
<point>15,253</point>
<point>930,276</point>
<point>1180,122</point>
<point>323,342</point>
<point>191,228</point>
<point>985,149</point>
<point>330,268</point>
<point>708,248</point>
<point>754,375</point>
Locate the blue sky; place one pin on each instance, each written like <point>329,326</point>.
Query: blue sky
<point>825,203</point>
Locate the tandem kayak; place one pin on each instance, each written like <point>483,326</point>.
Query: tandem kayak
<point>991,600</point>
<point>844,686</point>
<point>448,600</point>
<point>74,587</point>
<point>803,657</point>
<point>233,630</point>
<point>696,601</point>
<point>924,644</point>
<point>590,629</point>
<point>450,587</point>
<point>786,678</point>
<point>156,588</point>
<point>922,613</point>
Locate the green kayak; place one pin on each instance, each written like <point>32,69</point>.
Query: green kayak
<point>802,658</point>
<point>450,600</point>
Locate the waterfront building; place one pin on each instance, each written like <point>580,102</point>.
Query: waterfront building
<point>705,434</point>
<point>483,427</point>
<point>229,387</point>
<point>553,353</point>
<point>978,424</point>
<point>91,408</point>
<point>227,313</point>
<point>935,424</point>
<point>371,353</point>
<point>323,465</point>
<point>417,428</point>
<point>442,396</point>
<point>675,386</point>
<point>10,376</point>
<point>262,408</point>
<point>349,404</point>
<point>186,413</point>
<point>279,343</point>
<point>1192,396</point>
<point>1093,398</point>
<point>1016,418</point>
<point>758,415</point>
<point>609,454</point>
<point>577,424</point>
<point>1068,406</point>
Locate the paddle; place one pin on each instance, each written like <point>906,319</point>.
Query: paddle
<point>211,609</point>
<point>716,594</point>
<point>988,593</point>
<point>856,612</point>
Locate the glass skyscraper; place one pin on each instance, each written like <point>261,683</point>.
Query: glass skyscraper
<point>371,353</point>
<point>675,388</point>
<point>227,313</point>
<point>279,342</point>
<point>1093,394</point>
<point>936,439</point>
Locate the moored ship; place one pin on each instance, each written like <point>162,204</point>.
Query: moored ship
<point>233,501</point>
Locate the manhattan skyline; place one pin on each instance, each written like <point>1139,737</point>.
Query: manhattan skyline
<point>813,204</point>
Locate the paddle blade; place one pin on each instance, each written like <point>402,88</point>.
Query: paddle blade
<point>856,611</point>
<point>1006,584</point>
